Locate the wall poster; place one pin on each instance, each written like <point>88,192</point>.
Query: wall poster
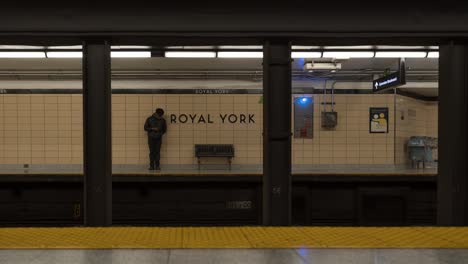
<point>378,120</point>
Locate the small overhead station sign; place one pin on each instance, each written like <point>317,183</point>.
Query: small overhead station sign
<point>390,81</point>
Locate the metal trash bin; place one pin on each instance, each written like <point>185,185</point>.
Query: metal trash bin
<point>420,149</point>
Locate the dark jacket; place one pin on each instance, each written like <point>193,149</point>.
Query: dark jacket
<point>154,122</point>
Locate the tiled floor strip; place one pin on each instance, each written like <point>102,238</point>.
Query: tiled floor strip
<point>234,237</point>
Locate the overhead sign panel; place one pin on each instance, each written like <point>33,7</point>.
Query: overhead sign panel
<point>390,81</point>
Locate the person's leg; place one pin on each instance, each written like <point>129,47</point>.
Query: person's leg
<point>152,153</point>
<point>157,153</point>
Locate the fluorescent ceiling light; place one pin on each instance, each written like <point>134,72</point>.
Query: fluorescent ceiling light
<point>188,48</point>
<point>130,47</point>
<point>433,54</point>
<point>400,54</point>
<point>401,47</point>
<point>64,54</point>
<point>348,54</point>
<point>20,47</point>
<point>190,54</point>
<point>305,54</point>
<point>131,54</point>
<point>114,54</point>
<point>349,47</point>
<point>240,54</point>
<point>304,47</point>
<point>78,47</point>
<point>241,47</point>
<point>24,54</point>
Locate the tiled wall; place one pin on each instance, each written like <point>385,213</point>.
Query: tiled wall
<point>130,112</point>
<point>41,129</point>
<point>47,129</point>
<point>350,142</point>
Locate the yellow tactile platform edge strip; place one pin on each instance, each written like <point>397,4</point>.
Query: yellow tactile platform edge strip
<point>233,237</point>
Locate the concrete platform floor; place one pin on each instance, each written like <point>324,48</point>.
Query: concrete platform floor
<point>374,170</point>
<point>240,256</point>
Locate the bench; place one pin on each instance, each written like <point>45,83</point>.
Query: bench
<point>214,150</point>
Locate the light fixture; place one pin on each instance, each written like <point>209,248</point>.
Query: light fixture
<point>189,48</point>
<point>130,47</point>
<point>402,48</point>
<point>241,47</point>
<point>240,54</point>
<point>322,66</point>
<point>343,48</point>
<point>21,47</point>
<point>305,54</point>
<point>75,47</point>
<point>400,54</point>
<point>64,54</point>
<point>303,100</point>
<point>190,54</point>
<point>296,47</point>
<point>22,54</point>
<point>131,54</point>
<point>348,54</point>
<point>433,54</point>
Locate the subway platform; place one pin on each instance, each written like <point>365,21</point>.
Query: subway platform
<point>220,169</point>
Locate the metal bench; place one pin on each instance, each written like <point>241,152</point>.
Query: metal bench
<point>214,150</point>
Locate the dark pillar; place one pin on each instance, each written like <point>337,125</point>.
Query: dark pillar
<point>97,133</point>
<point>452,181</point>
<point>277,133</point>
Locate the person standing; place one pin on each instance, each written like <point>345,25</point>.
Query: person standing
<point>155,126</point>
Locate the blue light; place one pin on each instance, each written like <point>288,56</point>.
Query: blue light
<point>303,100</point>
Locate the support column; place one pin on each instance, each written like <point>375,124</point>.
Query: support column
<point>277,133</point>
<point>97,156</point>
<point>452,183</point>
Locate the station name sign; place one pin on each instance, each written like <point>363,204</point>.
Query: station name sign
<point>390,81</point>
<point>210,119</point>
